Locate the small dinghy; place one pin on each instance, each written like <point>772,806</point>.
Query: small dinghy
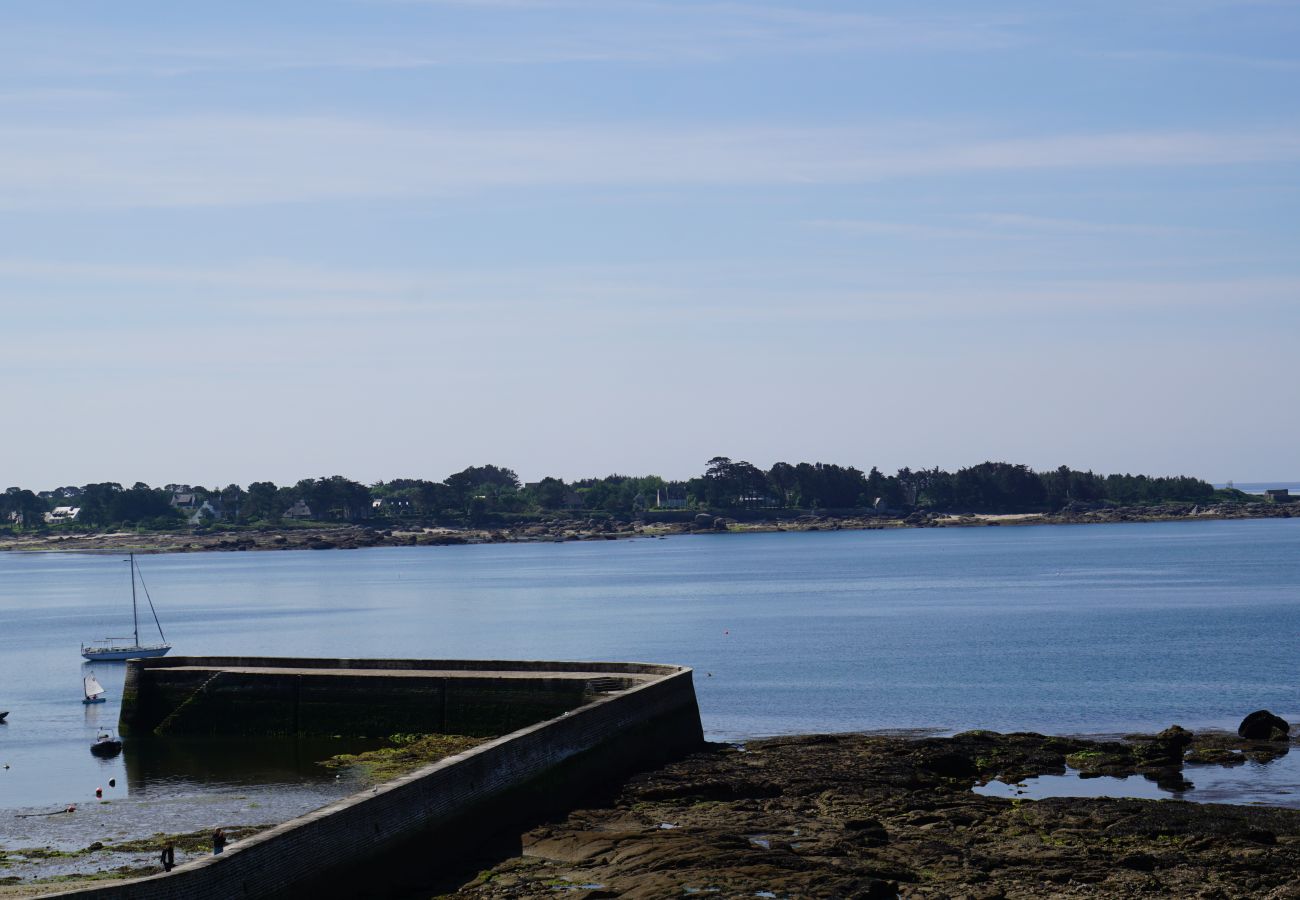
<point>2,717</point>
<point>106,746</point>
<point>93,689</point>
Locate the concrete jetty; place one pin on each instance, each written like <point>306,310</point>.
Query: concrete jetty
<point>266,696</point>
<point>564,728</point>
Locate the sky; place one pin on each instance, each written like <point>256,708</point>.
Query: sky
<point>393,238</point>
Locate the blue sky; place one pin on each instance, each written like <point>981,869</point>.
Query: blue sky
<point>392,238</point>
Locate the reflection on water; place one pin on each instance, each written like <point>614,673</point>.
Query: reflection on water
<point>153,763</point>
<point>1072,784</point>
<point>1274,782</point>
<point>180,785</point>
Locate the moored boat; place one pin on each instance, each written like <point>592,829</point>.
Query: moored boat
<point>116,648</point>
<point>106,745</point>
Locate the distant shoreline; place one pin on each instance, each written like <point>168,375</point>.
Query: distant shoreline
<point>348,537</point>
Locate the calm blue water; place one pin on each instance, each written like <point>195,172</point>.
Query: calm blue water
<point>1259,487</point>
<point>1071,629</point>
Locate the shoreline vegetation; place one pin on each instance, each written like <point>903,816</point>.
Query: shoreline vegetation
<point>483,504</point>
<point>578,527</point>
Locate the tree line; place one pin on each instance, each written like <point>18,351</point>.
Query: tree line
<point>480,494</point>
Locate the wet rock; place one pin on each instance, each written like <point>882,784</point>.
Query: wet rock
<point>1262,725</point>
<point>1106,759</point>
<point>1219,756</point>
<point>1176,735</point>
<point>1141,862</point>
<point>863,815</point>
<point>1165,749</point>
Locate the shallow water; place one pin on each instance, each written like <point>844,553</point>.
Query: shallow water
<point>1272,783</point>
<point>1070,629</point>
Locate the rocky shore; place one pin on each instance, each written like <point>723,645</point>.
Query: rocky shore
<point>832,816</point>
<point>863,816</point>
<point>574,528</point>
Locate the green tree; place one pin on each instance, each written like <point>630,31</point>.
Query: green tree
<point>550,493</point>
<point>19,506</point>
<point>262,502</point>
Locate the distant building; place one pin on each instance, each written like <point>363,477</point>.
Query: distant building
<point>207,510</point>
<point>62,514</point>
<point>186,501</point>
<point>671,496</point>
<point>391,505</point>
<point>758,501</point>
<point>299,510</point>
<point>1279,495</point>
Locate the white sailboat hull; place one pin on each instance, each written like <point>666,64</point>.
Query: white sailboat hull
<point>109,653</point>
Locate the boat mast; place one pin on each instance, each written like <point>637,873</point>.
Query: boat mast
<point>135,619</point>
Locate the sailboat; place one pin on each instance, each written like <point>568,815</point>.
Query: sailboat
<point>112,648</point>
<point>94,690</point>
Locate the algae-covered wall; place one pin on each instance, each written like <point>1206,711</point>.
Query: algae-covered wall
<point>273,697</point>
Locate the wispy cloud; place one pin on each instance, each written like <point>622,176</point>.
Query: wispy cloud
<point>1020,222</point>
<point>1002,226</point>
<point>738,291</point>
<point>509,33</point>
<point>918,230</point>
<point>1266,63</point>
<point>215,161</point>
<point>53,96</point>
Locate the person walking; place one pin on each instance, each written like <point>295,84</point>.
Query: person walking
<point>168,857</point>
<point>218,841</point>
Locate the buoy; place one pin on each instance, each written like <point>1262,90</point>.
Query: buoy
<point>99,792</point>
<point>112,782</point>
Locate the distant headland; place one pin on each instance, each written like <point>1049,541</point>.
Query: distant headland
<point>489,503</point>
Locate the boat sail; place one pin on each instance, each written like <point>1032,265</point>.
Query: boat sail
<point>112,648</point>
<point>94,690</point>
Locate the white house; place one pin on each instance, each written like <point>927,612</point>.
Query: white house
<point>63,514</point>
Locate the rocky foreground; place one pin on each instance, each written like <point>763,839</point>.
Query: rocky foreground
<point>860,816</point>
<point>596,528</point>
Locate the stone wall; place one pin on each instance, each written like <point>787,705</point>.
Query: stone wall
<point>305,697</point>
<point>331,851</point>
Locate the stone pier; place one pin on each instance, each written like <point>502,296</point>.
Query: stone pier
<point>564,728</point>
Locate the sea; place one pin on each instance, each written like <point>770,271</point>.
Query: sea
<point>1259,487</point>
<point>1071,629</point>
